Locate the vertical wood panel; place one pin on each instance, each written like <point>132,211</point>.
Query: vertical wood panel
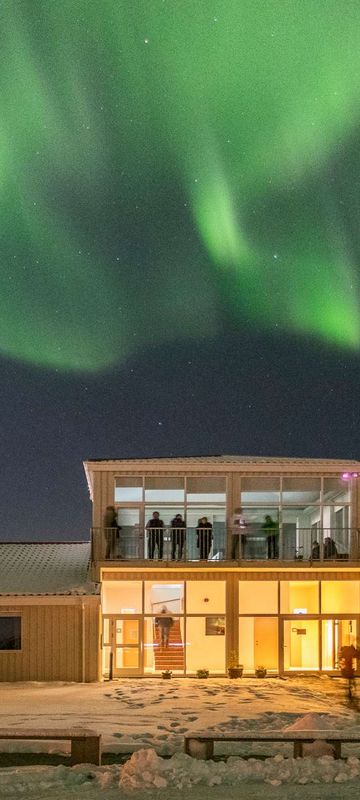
<point>51,644</point>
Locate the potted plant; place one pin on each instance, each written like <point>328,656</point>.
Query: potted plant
<point>235,670</point>
<point>260,672</point>
<point>202,673</point>
<point>166,674</point>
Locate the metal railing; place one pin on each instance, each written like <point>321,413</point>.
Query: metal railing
<point>252,543</point>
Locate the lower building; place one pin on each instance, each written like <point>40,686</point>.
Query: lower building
<point>49,613</point>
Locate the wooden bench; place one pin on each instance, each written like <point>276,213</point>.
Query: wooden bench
<point>201,745</point>
<point>85,743</point>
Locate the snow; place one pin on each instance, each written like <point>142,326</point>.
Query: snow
<point>148,718</point>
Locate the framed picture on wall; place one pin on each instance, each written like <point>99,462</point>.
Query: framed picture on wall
<point>215,626</point>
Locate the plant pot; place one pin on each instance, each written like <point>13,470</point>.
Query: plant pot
<point>260,673</point>
<point>202,673</point>
<point>166,676</point>
<point>235,672</point>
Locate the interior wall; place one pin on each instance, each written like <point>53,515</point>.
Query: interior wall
<point>202,650</point>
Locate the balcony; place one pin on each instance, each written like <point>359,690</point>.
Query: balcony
<point>169,545</point>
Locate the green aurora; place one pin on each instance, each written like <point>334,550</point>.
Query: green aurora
<point>174,156</point>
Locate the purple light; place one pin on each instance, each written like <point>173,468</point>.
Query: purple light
<point>346,476</point>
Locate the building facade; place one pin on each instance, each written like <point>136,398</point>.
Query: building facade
<point>193,563</point>
<point>276,584</point>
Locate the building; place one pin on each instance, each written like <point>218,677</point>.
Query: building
<point>278,583</point>
<point>272,576</point>
<point>49,613</point>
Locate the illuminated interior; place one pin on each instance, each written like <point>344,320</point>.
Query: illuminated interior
<point>258,642</point>
<point>132,643</point>
<point>299,597</point>
<point>301,645</point>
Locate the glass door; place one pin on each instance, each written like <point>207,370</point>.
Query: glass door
<point>301,645</point>
<point>122,645</point>
<point>336,633</point>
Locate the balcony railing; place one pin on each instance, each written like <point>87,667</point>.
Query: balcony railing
<point>225,544</point>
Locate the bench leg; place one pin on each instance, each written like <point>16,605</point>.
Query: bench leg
<point>337,749</point>
<point>298,749</point>
<point>201,749</point>
<point>86,750</point>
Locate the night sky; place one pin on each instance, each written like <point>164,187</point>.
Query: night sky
<point>180,239</point>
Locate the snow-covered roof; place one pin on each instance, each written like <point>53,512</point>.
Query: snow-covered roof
<point>60,568</point>
<point>225,459</point>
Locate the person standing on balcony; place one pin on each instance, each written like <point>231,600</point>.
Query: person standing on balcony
<point>178,526</point>
<point>330,549</point>
<point>155,529</point>
<point>238,526</point>
<point>112,532</point>
<point>271,530</point>
<point>204,538</point>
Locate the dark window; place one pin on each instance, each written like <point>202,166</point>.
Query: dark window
<point>10,633</point>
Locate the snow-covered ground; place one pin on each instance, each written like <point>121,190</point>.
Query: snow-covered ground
<point>154,714</point>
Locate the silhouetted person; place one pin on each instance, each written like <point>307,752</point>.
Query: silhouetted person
<point>155,528</point>
<point>237,528</point>
<point>271,529</point>
<point>112,531</point>
<point>178,528</point>
<point>330,549</point>
<point>204,537</point>
<point>164,623</point>
<point>315,551</point>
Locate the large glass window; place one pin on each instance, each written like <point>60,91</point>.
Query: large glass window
<point>258,642</point>
<point>129,541</point>
<point>340,597</point>
<point>205,596</point>
<point>261,535</point>
<point>164,644</point>
<point>207,489</point>
<point>217,538</point>
<point>299,597</point>
<point>10,633</point>
<point>301,491</point>
<point>205,644</point>
<point>258,597</point>
<point>128,489</point>
<point>300,531</point>
<point>164,490</point>
<point>162,594</point>
<point>122,597</point>
<point>336,490</point>
<point>260,490</point>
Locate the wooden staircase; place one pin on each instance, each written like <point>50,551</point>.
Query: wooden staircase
<point>171,657</point>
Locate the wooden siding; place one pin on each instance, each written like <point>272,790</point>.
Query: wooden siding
<point>52,643</point>
<point>221,575</point>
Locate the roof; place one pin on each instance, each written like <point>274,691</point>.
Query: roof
<point>56,568</point>
<point>220,463</point>
<point>217,459</point>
